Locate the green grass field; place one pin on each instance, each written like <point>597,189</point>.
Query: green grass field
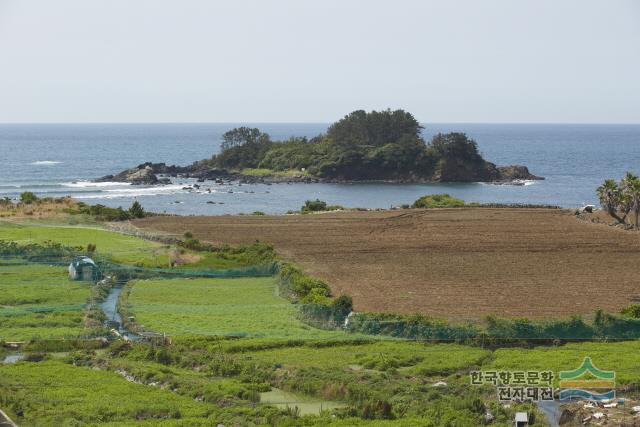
<point>121,248</point>
<point>52,393</point>
<point>39,301</point>
<point>409,357</point>
<point>227,307</point>
<point>621,357</point>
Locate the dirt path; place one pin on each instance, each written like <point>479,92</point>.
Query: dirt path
<point>453,263</point>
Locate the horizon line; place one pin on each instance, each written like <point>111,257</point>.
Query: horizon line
<point>318,123</point>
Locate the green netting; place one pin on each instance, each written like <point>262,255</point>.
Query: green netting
<point>108,267</point>
<point>14,311</point>
<point>602,326</point>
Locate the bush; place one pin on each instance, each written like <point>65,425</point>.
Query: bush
<point>101,212</point>
<point>136,210</point>
<point>28,197</point>
<point>438,201</point>
<point>298,285</point>
<point>319,206</point>
<point>632,311</point>
<point>316,205</point>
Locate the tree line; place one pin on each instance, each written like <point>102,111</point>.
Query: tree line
<point>362,145</point>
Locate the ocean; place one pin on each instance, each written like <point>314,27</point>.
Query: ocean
<point>61,159</point>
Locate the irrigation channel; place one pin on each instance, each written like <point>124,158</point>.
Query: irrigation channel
<point>110,309</point>
<point>279,398</point>
<point>552,411</point>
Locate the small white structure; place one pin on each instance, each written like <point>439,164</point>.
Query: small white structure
<point>83,268</point>
<point>521,419</point>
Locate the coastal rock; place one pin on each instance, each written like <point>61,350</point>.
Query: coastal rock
<point>142,175</point>
<point>516,172</point>
<point>450,170</point>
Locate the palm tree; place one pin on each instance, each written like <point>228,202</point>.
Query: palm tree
<point>630,188</point>
<point>611,198</point>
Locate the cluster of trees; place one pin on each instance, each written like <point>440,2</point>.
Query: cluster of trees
<point>362,145</point>
<point>620,199</point>
<point>105,213</point>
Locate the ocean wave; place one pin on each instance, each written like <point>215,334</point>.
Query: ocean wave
<point>45,162</point>
<point>91,184</point>
<point>514,183</point>
<point>135,192</point>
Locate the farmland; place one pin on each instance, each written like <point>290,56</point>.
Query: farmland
<point>121,248</point>
<point>449,263</point>
<point>237,346</point>
<point>227,307</point>
<point>39,301</point>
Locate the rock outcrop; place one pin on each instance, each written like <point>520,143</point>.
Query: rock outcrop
<point>141,175</point>
<point>451,170</point>
<point>516,172</point>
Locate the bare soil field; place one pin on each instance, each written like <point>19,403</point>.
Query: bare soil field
<point>457,264</point>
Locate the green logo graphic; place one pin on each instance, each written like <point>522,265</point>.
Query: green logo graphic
<point>578,382</point>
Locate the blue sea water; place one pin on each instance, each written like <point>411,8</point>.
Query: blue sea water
<point>62,159</point>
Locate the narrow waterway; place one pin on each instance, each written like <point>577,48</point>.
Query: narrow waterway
<point>552,411</point>
<point>13,357</point>
<point>110,306</point>
<point>305,404</point>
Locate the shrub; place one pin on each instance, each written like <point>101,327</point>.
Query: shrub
<point>101,212</point>
<point>28,197</point>
<point>319,206</point>
<point>316,205</point>
<point>632,311</point>
<point>136,210</point>
<point>437,201</point>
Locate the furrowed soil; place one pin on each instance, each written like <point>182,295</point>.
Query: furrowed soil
<point>457,264</point>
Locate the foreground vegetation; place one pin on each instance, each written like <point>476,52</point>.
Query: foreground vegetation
<point>39,302</point>
<point>207,380</point>
<point>235,343</point>
<point>223,307</point>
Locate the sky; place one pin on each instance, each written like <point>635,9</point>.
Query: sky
<point>496,61</point>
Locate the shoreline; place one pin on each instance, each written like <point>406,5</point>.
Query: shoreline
<point>159,173</point>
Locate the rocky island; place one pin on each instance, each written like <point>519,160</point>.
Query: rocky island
<point>383,146</point>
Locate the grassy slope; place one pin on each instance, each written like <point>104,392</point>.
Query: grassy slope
<point>623,357</point>
<point>236,307</point>
<point>53,393</point>
<point>40,287</point>
<point>410,357</point>
<point>124,249</point>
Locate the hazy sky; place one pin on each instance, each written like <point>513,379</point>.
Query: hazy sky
<point>315,60</point>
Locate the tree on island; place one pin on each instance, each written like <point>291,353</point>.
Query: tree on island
<point>621,198</point>
<point>243,147</point>
<point>243,136</point>
<point>375,145</point>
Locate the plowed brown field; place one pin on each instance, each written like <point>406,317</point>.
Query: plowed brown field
<point>453,263</point>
